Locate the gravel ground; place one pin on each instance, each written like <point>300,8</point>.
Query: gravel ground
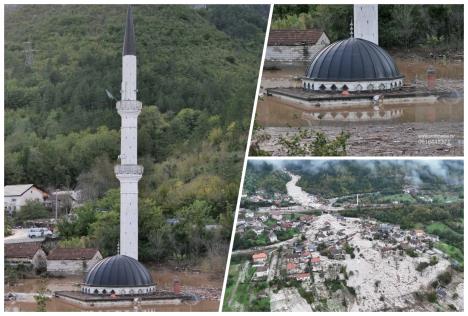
<point>288,300</point>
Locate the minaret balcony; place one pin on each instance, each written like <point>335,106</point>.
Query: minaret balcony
<point>129,106</point>
<point>128,170</point>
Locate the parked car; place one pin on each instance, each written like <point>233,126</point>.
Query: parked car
<point>39,232</point>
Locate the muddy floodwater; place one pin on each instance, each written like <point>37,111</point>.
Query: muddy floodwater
<point>420,128</point>
<point>202,284</point>
<point>273,112</point>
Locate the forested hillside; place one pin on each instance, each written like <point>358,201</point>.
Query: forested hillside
<point>400,26</point>
<point>337,178</point>
<point>197,73</point>
<point>264,176</point>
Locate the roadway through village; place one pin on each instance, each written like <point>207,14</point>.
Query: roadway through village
<point>21,236</point>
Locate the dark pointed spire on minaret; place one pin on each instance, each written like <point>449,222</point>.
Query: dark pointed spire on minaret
<point>129,38</point>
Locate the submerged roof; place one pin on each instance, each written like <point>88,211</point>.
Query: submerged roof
<point>119,271</point>
<point>294,37</point>
<point>129,47</point>
<point>72,253</point>
<point>22,250</point>
<point>352,59</point>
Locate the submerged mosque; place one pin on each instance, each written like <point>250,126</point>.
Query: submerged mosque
<point>354,64</point>
<point>122,274</point>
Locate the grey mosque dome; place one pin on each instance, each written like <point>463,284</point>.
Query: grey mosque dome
<point>355,64</point>
<point>118,274</point>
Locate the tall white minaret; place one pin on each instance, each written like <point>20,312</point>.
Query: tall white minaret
<point>366,22</point>
<point>129,172</point>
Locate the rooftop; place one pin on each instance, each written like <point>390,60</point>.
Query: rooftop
<point>294,37</point>
<point>352,59</point>
<point>17,189</point>
<point>260,255</point>
<point>72,254</point>
<point>22,250</point>
<point>118,271</point>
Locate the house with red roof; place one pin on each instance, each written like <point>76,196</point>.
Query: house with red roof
<point>302,276</point>
<point>292,46</point>
<point>28,254</point>
<point>259,258</point>
<point>292,268</point>
<point>315,262</point>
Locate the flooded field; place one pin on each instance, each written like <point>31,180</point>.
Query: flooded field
<point>423,128</point>
<point>205,285</point>
<point>274,112</point>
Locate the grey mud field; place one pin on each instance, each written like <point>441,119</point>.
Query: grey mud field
<point>404,139</point>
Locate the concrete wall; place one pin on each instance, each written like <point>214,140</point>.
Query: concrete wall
<point>70,267</point>
<point>38,261</point>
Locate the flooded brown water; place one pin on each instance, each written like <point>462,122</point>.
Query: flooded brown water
<point>192,282</point>
<point>275,112</point>
<point>433,128</point>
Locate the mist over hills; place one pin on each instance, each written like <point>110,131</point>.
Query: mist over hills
<point>340,177</point>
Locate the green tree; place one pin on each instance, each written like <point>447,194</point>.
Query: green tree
<point>33,209</point>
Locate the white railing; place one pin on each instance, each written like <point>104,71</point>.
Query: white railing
<point>127,105</point>
<point>128,169</point>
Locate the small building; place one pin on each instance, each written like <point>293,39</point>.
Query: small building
<point>16,196</point>
<point>305,254</point>
<point>28,254</point>
<point>272,236</point>
<point>259,258</point>
<point>249,214</point>
<point>292,268</point>
<point>258,230</point>
<point>312,247</point>
<point>441,292</point>
<point>69,261</point>
<point>276,215</point>
<point>64,201</point>
<point>298,248</point>
<point>294,46</point>
<point>315,261</point>
<point>385,228</point>
<point>419,233</point>
<point>302,276</point>
<point>336,253</point>
<point>261,272</point>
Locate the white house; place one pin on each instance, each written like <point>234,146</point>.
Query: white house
<point>29,254</point>
<point>294,46</point>
<point>16,196</point>
<point>69,261</point>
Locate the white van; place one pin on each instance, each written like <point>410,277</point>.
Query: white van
<point>39,232</point>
